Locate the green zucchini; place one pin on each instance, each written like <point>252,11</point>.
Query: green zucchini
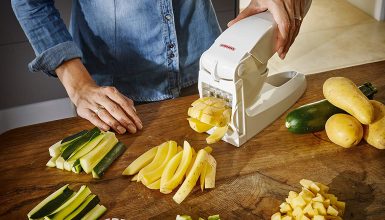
<point>83,151</point>
<point>79,143</point>
<point>90,202</point>
<point>52,162</point>
<point>95,213</point>
<point>90,160</point>
<point>60,163</point>
<point>102,166</point>
<point>183,217</point>
<point>214,217</point>
<point>71,204</point>
<point>51,203</point>
<point>74,136</point>
<point>313,116</point>
<point>59,146</point>
<point>77,168</point>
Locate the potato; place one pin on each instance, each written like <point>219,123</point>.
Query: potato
<point>375,132</point>
<point>344,130</point>
<point>344,94</point>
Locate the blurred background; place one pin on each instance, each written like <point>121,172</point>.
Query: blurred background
<point>334,34</point>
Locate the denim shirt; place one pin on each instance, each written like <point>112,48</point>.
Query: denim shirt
<point>147,49</point>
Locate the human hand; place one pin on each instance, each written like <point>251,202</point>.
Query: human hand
<point>105,107</point>
<point>288,15</point>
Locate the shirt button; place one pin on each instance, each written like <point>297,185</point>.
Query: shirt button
<point>171,45</point>
<point>171,56</point>
<point>168,17</point>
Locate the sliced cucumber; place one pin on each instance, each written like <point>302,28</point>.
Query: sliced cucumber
<point>90,160</point>
<point>51,203</point>
<point>214,217</point>
<point>60,163</point>
<point>95,213</point>
<point>71,204</point>
<point>52,162</point>
<point>90,202</point>
<point>74,136</point>
<point>79,143</point>
<point>183,217</point>
<point>102,166</point>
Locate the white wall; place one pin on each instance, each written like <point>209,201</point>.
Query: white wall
<point>376,8</point>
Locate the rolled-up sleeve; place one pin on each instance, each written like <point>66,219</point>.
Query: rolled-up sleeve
<point>47,34</point>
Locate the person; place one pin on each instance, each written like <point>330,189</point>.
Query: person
<point>121,52</point>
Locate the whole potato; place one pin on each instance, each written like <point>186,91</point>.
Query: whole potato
<point>375,132</point>
<point>344,94</point>
<point>344,130</point>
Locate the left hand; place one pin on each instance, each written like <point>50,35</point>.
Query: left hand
<point>288,15</point>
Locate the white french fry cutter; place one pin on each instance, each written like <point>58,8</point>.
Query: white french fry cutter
<point>234,68</point>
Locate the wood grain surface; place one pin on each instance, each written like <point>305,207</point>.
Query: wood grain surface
<point>251,180</point>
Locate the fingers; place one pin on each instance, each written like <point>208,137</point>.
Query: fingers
<point>93,118</point>
<point>290,9</point>
<point>105,116</point>
<point>249,11</point>
<point>277,9</point>
<point>115,115</point>
<point>126,104</point>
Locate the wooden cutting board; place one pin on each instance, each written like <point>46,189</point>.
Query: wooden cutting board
<point>251,180</point>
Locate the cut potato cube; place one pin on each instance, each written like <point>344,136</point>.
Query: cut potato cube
<point>276,216</point>
<point>333,198</point>
<point>323,187</point>
<point>297,212</point>
<point>320,208</point>
<point>341,206</point>
<point>332,211</point>
<point>292,194</point>
<point>304,217</point>
<point>286,217</point>
<point>318,198</point>
<point>307,195</point>
<point>326,203</point>
<point>309,210</point>
<point>285,207</point>
<point>310,185</point>
<point>298,202</point>
<point>319,217</point>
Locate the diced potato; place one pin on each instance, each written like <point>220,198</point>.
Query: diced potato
<point>286,217</point>
<point>310,185</point>
<point>292,194</point>
<point>332,211</point>
<point>326,203</point>
<point>304,217</point>
<point>318,198</point>
<point>320,208</point>
<point>285,207</point>
<point>307,195</point>
<point>341,206</point>
<point>324,188</point>
<point>309,210</point>
<point>333,198</point>
<point>297,212</point>
<point>276,216</point>
<point>319,217</point>
<point>298,202</point>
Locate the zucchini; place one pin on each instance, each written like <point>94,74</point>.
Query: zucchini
<point>79,143</point>
<point>71,204</point>
<point>54,150</point>
<point>102,166</point>
<point>90,160</point>
<point>52,162</point>
<point>90,202</point>
<point>60,163</point>
<point>313,116</point>
<point>95,213</point>
<point>83,151</point>
<point>77,168</point>
<point>51,203</point>
<point>74,136</point>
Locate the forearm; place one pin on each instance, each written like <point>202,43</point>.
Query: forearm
<point>74,76</point>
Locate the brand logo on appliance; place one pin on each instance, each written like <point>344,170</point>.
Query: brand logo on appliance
<point>227,47</point>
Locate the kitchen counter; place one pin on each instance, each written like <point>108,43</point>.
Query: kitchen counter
<point>251,180</point>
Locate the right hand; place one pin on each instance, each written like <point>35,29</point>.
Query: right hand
<point>105,107</point>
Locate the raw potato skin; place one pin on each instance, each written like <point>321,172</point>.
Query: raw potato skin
<point>375,132</point>
<point>344,130</point>
<point>344,94</point>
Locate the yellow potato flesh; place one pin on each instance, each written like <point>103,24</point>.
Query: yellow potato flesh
<point>199,126</point>
<point>217,135</point>
<point>140,162</point>
<point>157,161</point>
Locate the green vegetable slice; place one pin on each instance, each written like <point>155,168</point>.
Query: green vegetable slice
<point>90,202</point>
<point>51,203</point>
<point>102,166</point>
<point>79,143</point>
<point>95,213</point>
